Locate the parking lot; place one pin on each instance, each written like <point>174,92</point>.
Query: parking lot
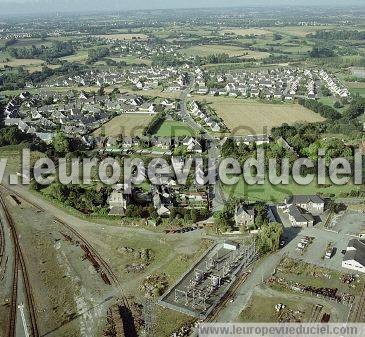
<point>346,226</point>
<point>351,223</point>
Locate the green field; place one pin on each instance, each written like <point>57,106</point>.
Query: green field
<point>246,31</point>
<point>174,129</point>
<point>247,117</point>
<point>233,51</point>
<point>299,31</point>
<point>272,193</point>
<point>360,91</point>
<point>124,37</point>
<point>125,124</point>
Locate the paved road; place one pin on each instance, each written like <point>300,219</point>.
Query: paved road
<point>216,194</point>
<point>260,271</point>
<point>267,265</point>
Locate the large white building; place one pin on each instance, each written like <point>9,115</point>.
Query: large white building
<point>354,258</point>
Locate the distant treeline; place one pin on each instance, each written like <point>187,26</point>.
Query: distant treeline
<point>321,51</point>
<point>338,35</point>
<point>17,79</point>
<point>57,50</point>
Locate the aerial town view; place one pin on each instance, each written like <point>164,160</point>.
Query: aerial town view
<point>182,168</point>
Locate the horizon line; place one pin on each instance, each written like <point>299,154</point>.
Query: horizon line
<point>50,11</point>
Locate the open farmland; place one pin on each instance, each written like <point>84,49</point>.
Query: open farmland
<point>21,62</point>
<point>125,124</point>
<point>123,37</point>
<point>300,31</point>
<point>356,88</point>
<point>232,51</point>
<point>252,117</point>
<point>248,31</point>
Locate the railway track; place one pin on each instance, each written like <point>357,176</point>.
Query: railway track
<point>360,308</point>
<point>19,265</point>
<point>2,242</point>
<point>14,297</point>
<point>106,268</point>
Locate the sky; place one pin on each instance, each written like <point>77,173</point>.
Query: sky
<point>23,6</point>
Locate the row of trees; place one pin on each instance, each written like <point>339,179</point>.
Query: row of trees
<point>338,35</point>
<point>17,78</point>
<point>268,238</point>
<point>56,50</point>
<point>155,123</point>
<point>324,110</point>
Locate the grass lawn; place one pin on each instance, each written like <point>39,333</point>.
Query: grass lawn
<point>169,321</point>
<point>247,117</point>
<point>174,128</point>
<point>360,91</point>
<point>330,101</point>
<point>131,60</point>
<point>125,124</point>
<point>261,309</point>
<point>272,193</point>
<point>79,56</point>
<point>356,88</point>
<point>13,155</point>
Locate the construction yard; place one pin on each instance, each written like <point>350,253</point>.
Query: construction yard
<point>302,292</point>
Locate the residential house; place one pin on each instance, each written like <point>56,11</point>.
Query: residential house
<point>244,216</point>
<point>117,203</point>
<point>311,203</point>
<point>193,146</point>
<point>147,108</point>
<point>300,217</point>
<point>354,258</point>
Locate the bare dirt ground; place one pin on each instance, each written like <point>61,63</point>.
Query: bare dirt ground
<point>71,297</point>
<point>69,294</point>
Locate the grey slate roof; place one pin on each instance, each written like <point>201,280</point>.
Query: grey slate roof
<point>304,199</point>
<point>358,253</point>
<point>300,216</point>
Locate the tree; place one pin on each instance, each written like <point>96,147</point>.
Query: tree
<point>277,37</point>
<point>229,148</point>
<point>268,239</point>
<point>223,220</point>
<point>325,91</point>
<point>193,215</point>
<point>321,51</point>
<point>338,105</point>
<point>61,143</point>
